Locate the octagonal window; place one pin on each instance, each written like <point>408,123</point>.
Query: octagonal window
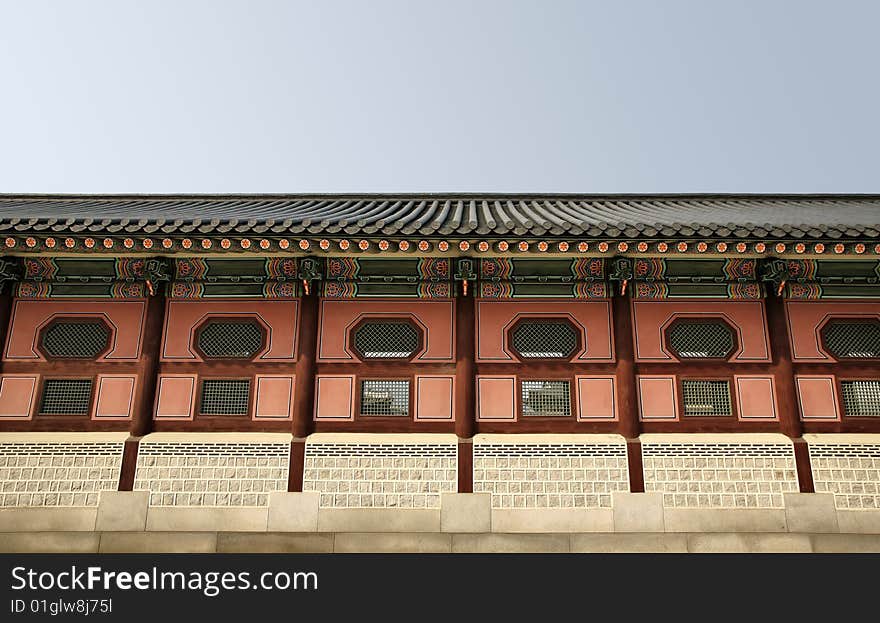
<point>701,339</point>
<point>76,339</point>
<point>544,339</point>
<point>387,339</point>
<point>852,339</point>
<point>230,339</point>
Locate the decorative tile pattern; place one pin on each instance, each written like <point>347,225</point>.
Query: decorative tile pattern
<point>720,475</point>
<point>380,475</point>
<point>211,474</point>
<point>35,474</point>
<point>850,471</point>
<point>530,475</point>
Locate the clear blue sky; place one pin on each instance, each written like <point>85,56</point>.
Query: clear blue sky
<point>433,96</point>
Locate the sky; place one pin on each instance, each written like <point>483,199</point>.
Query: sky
<point>259,96</point>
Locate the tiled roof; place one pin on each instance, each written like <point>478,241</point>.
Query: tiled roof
<point>588,216</point>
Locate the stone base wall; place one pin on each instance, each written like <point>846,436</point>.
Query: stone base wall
<point>719,471</point>
<point>550,471</point>
<point>58,469</point>
<point>381,471</point>
<point>848,467</point>
<point>213,469</point>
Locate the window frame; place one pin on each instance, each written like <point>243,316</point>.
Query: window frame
<point>197,407</point>
<point>41,336</point>
<point>734,406</point>
<point>572,398</point>
<point>197,333</point>
<point>838,388</point>
<point>852,320</point>
<point>352,339</point>
<point>578,333</point>
<point>410,414</point>
<point>693,320</point>
<point>38,403</point>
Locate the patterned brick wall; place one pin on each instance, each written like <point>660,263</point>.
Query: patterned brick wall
<point>209,470</point>
<point>719,472</point>
<point>550,471</point>
<point>381,471</point>
<point>51,470</point>
<point>847,466</point>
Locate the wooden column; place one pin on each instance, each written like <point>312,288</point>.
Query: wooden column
<point>304,393</point>
<point>786,393</point>
<point>142,414</point>
<point>625,378</point>
<point>465,381</point>
<point>142,411</point>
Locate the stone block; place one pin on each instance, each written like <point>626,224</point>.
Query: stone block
<point>542,520</point>
<point>393,543</point>
<point>652,543</point>
<point>724,520</point>
<point>637,512</point>
<point>511,543</point>
<point>274,542</point>
<point>206,519</point>
<point>49,542</point>
<point>859,522</point>
<point>158,542</point>
<point>846,543</point>
<point>378,520</point>
<point>465,512</point>
<point>293,512</point>
<point>749,543</point>
<point>122,511</point>
<point>48,519</point>
<point>810,512</point>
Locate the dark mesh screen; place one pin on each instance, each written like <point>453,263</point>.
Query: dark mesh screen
<point>701,340</point>
<point>231,340</point>
<point>76,340</point>
<point>706,398</point>
<point>852,340</point>
<point>386,340</point>
<point>544,340</point>
<point>66,397</point>
<point>225,397</point>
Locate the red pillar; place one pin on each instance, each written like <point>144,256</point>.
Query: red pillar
<point>786,393</point>
<point>304,393</point>
<point>625,377</point>
<point>465,406</point>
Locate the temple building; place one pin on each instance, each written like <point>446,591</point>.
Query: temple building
<point>711,361</point>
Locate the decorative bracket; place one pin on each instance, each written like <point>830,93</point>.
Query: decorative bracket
<point>10,270</point>
<point>155,272</point>
<point>775,271</point>
<point>308,270</point>
<point>465,273</point>
<point>621,271</point>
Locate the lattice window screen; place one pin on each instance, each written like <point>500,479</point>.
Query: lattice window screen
<point>66,397</point>
<point>230,340</point>
<point>386,340</point>
<point>546,398</point>
<point>706,398</point>
<point>847,339</point>
<point>701,340</point>
<point>76,340</point>
<point>544,340</point>
<point>225,397</point>
<point>861,398</point>
<point>385,398</point>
